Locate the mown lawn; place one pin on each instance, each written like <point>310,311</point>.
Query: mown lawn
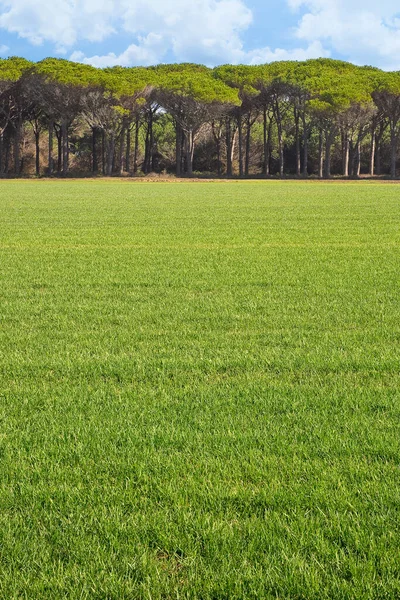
<point>199,390</point>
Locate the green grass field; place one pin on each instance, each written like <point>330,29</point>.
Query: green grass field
<point>199,390</point>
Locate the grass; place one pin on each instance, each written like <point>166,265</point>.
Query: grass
<point>199,390</point>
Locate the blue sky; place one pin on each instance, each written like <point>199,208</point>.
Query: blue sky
<point>132,32</point>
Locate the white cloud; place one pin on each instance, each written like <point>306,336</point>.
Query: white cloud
<point>208,31</point>
<point>3,49</point>
<point>205,27</point>
<point>265,55</point>
<point>364,31</point>
<point>147,52</point>
<point>62,22</point>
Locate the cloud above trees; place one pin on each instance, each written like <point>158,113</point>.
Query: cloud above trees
<point>208,31</point>
<point>364,31</point>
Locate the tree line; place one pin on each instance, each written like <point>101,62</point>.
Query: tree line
<point>319,117</point>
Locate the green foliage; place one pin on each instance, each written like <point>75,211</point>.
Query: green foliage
<point>67,72</point>
<point>242,77</point>
<point>11,69</point>
<point>388,82</point>
<point>127,81</point>
<point>335,83</point>
<point>196,82</point>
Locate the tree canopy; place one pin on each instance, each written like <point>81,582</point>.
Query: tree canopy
<point>285,116</point>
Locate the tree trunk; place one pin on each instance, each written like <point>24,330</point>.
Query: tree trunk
<point>358,159</point>
<point>328,146</point>
<point>64,126</point>
<point>59,151</point>
<point>248,139</point>
<point>136,149</point>
<point>217,138</point>
<point>393,152</point>
<point>154,157</point>
<point>265,137</point>
<point>121,151</point>
<point>103,152</point>
<point>7,154</point>
<point>352,160</point>
<point>305,147</point>
<point>37,152</point>
<point>67,151</point>
<point>239,122</point>
<point>1,152</point>
<point>151,149</point>
<point>233,146</point>
<point>297,135</point>
<point>228,147</point>
<point>378,147</point>
<point>278,119</point>
<point>110,154</point>
<point>378,158</point>
<point>189,152</point>
<point>148,151</point>
<point>95,162</point>
<point>178,150</point>
<point>219,170</point>
<point>128,149</point>
<point>183,154</point>
<point>346,156</point>
<point>372,153</point>
<point>50,153</point>
<point>321,155</point>
<point>17,143</point>
<point>113,159</point>
<point>280,143</point>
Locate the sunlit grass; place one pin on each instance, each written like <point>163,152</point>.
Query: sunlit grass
<point>199,390</point>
